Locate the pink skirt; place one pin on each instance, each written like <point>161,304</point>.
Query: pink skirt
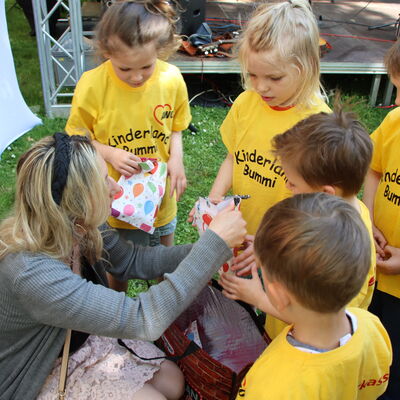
<point>102,369</point>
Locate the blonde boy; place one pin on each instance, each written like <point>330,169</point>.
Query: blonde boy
<point>314,253</point>
<point>382,196</point>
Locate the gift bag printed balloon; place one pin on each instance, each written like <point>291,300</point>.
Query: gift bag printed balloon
<point>140,196</point>
<point>204,213</point>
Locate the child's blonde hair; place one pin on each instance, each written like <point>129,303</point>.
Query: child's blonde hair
<point>137,23</point>
<point>289,28</point>
<point>41,224</point>
<point>318,247</point>
<point>392,59</point>
<point>327,149</point>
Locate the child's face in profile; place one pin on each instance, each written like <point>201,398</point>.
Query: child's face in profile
<point>134,66</point>
<point>396,82</point>
<point>274,81</point>
<point>295,182</point>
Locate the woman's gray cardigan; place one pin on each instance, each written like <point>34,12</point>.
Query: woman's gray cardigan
<point>40,297</point>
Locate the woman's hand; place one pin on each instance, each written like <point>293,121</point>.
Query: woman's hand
<point>123,161</point>
<point>230,226</point>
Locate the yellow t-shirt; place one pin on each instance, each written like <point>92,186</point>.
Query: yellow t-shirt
<point>357,370</point>
<point>363,299</point>
<point>386,160</point>
<point>247,132</point>
<point>139,120</point>
<point>274,326</point>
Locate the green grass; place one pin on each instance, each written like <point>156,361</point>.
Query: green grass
<point>25,54</point>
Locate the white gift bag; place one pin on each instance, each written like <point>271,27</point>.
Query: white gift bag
<point>205,211</point>
<point>141,194</point>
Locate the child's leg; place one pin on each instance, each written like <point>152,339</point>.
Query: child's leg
<point>136,236</point>
<point>169,381</point>
<point>165,234</point>
<point>167,240</point>
<point>387,308</point>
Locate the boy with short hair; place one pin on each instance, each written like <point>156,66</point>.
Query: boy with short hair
<point>382,197</point>
<point>327,153</point>
<point>314,253</point>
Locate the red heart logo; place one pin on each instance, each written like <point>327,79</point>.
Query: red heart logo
<point>160,107</point>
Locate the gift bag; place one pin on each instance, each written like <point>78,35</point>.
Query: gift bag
<point>140,197</point>
<point>204,213</point>
<point>214,341</point>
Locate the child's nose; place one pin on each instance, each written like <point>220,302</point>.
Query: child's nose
<point>261,86</point>
<point>114,187</point>
<point>136,76</point>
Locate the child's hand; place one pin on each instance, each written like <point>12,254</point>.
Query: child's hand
<point>247,290</point>
<point>380,242</point>
<point>215,198</point>
<point>124,162</point>
<point>244,262</point>
<point>390,263</point>
<point>230,226</point>
<point>191,215</point>
<point>176,171</point>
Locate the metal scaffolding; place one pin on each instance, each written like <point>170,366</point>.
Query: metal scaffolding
<point>59,72</point>
<point>63,60</point>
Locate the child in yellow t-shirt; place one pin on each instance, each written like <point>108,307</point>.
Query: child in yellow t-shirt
<point>279,58</point>
<point>135,105</point>
<point>323,153</point>
<point>314,253</point>
<point>382,197</point>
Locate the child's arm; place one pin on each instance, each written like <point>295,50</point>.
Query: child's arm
<point>370,187</point>
<point>223,181</point>
<point>390,264</point>
<point>123,161</point>
<point>176,169</point>
<point>249,291</point>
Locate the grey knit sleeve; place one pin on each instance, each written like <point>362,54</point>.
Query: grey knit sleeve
<point>50,294</point>
<point>127,260</point>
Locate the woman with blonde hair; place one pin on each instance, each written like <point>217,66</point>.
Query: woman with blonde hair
<point>53,260</point>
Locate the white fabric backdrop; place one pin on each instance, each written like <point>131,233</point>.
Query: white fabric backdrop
<point>15,116</point>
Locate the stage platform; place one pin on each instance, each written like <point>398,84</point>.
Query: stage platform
<point>359,32</point>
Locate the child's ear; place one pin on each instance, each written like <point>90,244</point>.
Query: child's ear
<point>329,189</point>
<point>279,295</point>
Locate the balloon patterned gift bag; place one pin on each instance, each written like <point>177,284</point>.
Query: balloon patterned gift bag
<point>141,194</point>
<point>205,211</point>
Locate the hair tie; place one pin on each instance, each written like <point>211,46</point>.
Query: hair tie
<point>62,157</point>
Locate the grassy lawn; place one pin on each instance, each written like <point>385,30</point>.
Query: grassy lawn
<point>204,150</point>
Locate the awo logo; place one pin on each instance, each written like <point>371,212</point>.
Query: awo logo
<point>162,112</point>
<point>373,382</point>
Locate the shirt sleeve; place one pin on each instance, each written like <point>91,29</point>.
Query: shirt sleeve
<point>51,294</point>
<point>228,128</point>
<point>377,138</point>
<point>84,110</point>
<point>182,116</point>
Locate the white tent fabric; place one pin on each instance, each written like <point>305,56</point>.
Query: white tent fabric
<point>15,116</point>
